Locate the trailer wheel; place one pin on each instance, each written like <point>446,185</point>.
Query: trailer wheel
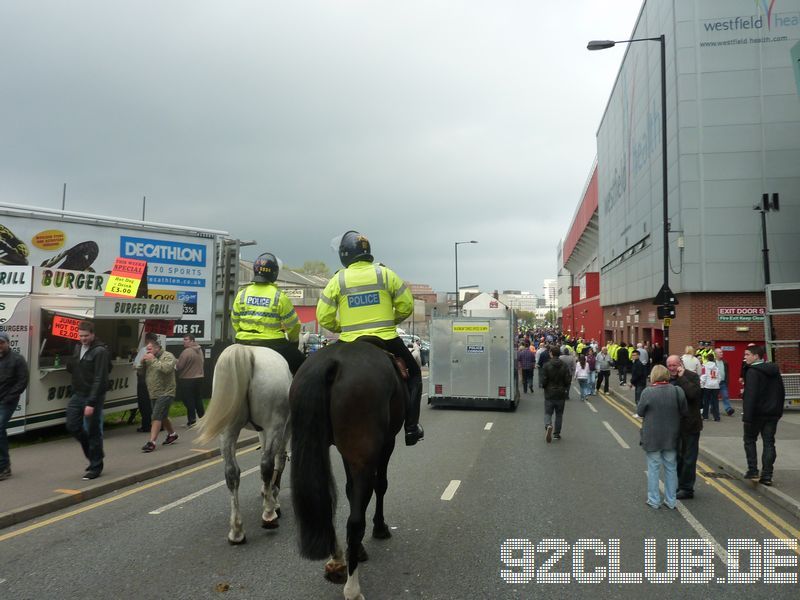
<point>512,406</point>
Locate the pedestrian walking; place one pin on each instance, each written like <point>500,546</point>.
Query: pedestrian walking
<point>159,372</point>
<point>603,367</point>
<point>691,425</point>
<point>591,360</point>
<point>556,378</point>
<point>189,371</point>
<point>525,361</point>
<point>638,375</point>
<point>762,405</point>
<point>661,407</point>
<point>582,375</point>
<point>143,401</point>
<point>709,381</point>
<point>89,367</point>
<point>724,371</point>
<point>13,381</point>
<point>623,361</point>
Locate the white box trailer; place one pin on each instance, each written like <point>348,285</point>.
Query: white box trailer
<point>54,266</point>
<point>472,362</point>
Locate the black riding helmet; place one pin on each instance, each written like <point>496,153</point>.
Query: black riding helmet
<point>265,268</point>
<point>352,247</point>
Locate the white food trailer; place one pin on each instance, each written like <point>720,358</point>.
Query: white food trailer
<point>472,362</point>
<point>54,266</point>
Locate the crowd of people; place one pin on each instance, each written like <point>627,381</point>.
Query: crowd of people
<point>673,395</point>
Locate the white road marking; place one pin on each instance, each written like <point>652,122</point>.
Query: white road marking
<point>698,527</point>
<point>617,436</point>
<point>450,490</point>
<point>591,408</point>
<point>488,426</point>
<point>198,493</point>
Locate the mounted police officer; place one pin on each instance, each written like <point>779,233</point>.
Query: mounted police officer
<point>262,315</point>
<point>371,300</point>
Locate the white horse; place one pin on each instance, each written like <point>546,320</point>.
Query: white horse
<point>250,390</point>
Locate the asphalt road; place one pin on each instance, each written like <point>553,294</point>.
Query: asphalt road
<point>513,486</point>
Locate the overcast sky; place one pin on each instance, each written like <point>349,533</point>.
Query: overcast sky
<point>417,122</point>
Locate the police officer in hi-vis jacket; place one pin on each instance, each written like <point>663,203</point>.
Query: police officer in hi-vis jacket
<point>370,299</point>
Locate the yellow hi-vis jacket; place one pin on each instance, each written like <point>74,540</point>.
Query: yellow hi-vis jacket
<point>370,299</point>
<point>262,312</point>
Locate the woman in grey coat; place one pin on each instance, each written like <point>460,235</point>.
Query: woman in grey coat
<point>661,406</point>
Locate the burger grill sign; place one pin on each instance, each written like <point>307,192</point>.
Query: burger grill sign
<point>737,314</point>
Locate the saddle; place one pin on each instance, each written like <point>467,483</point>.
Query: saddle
<point>399,364</point>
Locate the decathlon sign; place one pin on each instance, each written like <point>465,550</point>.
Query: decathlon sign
<point>162,251</point>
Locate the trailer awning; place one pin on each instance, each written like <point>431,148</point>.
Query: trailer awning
<point>75,313</point>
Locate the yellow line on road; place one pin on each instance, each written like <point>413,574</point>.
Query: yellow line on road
<point>755,504</point>
<point>67,491</point>
<point>125,494</point>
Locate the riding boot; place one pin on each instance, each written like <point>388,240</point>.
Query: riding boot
<point>413,430</point>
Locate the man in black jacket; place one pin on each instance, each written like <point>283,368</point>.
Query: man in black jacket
<point>13,381</point>
<point>762,405</point>
<point>89,367</point>
<point>556,379</point>
<point>691,425</point>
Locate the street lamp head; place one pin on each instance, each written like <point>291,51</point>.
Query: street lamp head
<point>600,44</point>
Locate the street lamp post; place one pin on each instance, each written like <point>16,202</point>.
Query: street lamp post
<point>456,249</point>
<point>665,294</point>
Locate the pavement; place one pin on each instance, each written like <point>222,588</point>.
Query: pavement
<point>47,476</point>
<point>721,448</point>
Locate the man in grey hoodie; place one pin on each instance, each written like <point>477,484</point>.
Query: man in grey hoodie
<point>762,404</point>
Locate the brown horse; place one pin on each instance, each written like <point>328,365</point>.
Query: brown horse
<point>349,395</point>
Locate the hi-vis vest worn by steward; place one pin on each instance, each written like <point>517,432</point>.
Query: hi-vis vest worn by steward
<point>370,300</point>
<point>262,312</point>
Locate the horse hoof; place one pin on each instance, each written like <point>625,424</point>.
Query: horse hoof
<point>278,512</point>
<point>337,575</point>
<point>381,532</point>
<point>239,543</point>
<point>362,553</point>
<point>270,524</point>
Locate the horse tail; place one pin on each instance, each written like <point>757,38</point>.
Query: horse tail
<point>313,485</point>
<point>229,392</point>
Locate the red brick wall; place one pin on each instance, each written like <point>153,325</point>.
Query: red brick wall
<point>698,319</point>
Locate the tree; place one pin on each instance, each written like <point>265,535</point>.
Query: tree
<point>313,267</point>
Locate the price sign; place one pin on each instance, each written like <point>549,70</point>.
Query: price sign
<point>125,278</point>
<point>159,326</point>
<point>65,327</point>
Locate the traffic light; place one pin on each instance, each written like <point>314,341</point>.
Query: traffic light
<point>666,312</point>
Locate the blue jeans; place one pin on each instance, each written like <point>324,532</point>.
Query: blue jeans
<point>585,388</point>
<point>6,410</point>
<point>723,392</point>
<point>655,460</point>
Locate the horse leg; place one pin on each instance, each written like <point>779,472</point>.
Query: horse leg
<point>269,516</point>
<point>362,552</point>
<point>336,568</point>
<point>228,447</point>
<point>280,465</point>
<point>363,486</point>
<point>379,528</point>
